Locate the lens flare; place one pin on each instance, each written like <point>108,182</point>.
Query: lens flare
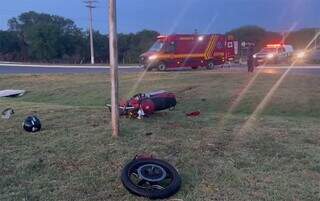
<point>172,29</point>
<point>251,122</point>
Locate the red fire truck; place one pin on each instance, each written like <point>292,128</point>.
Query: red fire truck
<point>182,50</point>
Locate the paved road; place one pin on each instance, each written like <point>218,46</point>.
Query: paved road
<point>11,68</point>
<point>297,70</point>
<point>52,69</point>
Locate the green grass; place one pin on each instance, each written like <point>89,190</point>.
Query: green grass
<point>75,158</point>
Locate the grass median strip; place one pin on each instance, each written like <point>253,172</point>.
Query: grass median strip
<point>75,158</point>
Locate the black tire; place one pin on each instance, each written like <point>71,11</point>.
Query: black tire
<point>162,66</point>
<point>194,68</point>
<point>171,189</point>
<point>210,65</point>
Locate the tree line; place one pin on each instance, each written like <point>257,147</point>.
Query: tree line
<point>40,37</point>
<point>299,39</point>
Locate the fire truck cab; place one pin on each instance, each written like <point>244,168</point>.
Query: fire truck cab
<point>182,50</point>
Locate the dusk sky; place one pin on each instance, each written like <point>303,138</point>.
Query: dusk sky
<point>178,16</point>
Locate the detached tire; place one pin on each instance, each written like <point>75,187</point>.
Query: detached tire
<point>151,178</point>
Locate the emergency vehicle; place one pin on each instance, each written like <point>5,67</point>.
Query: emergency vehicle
<point>274,54</point>
<point>182,50</point>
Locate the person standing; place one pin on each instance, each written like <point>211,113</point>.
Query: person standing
<point>250,60</point>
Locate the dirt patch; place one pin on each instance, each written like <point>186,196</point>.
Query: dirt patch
<point>312,175</point>
<point>71,166</point>
<point>174,125</point>
<point>217,148</point>
<point>187,89</point>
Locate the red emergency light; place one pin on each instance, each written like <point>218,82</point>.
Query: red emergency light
<point>274,45</point>
<point>162,37</point>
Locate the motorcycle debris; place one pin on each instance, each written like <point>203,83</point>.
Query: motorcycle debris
<point>193,114</point>
<point>7,113</point>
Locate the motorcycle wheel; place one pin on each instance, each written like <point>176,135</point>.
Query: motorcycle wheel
<point>151,178</point>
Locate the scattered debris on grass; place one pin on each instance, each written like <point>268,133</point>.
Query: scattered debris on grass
<point>188,89</point>
<point>193,114</point>
<point>12,93</point>
<point>7,113</point>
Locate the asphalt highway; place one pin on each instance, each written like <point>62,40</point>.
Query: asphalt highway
<point>59,69</point>
<point>12,68</point>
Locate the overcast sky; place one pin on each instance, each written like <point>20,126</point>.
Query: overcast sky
<point>178,16</point>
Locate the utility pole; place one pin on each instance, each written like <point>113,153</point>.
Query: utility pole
<point>316,40</point>
<point>90,5</point>
<point>113,46</point>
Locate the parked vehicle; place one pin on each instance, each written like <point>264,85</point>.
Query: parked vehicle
<point>307,56</point>
<point>274,54</point>
<point>193,51</point>
<point>315,56</point>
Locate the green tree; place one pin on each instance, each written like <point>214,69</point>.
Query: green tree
<point>136,44</point>
<point>256,35</point>
<point>302,38</point>
<point>101,46</point>
<point>47,37</point>
<point>124,41</point>
<point>52,38</point>
<point>9,46</point>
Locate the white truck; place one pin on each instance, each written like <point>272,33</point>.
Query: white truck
<point>274,54</point>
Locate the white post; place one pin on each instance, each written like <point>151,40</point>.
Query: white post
<point>91,36</point>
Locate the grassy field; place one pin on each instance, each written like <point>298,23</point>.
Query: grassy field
<point>276,157</point>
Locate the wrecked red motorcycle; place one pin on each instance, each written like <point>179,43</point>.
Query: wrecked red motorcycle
<point>146,104</point>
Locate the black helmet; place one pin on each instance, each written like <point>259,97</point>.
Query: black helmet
<point>32,124</point>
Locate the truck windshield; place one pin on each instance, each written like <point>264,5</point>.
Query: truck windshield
<point>156,47</point>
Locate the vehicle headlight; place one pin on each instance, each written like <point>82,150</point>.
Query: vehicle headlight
<point>301,55</point>
<point>153,57</point>
<point>270,56</point>
<point>254,56</point>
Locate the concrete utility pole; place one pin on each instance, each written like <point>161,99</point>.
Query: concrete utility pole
<point>113,46</point>
<point>90,5</point>
<point>316,40</point>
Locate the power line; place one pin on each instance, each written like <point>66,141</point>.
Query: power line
<point>91,6</point>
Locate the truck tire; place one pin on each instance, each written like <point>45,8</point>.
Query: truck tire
<point>210,65</point>
<point>162,66</point>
